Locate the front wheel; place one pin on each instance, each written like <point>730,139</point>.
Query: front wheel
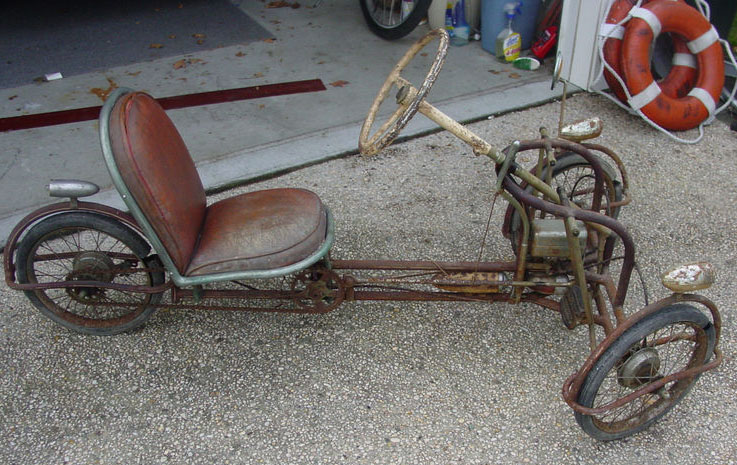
<point>393,19</point>
<point>84,246</point>
<point>675,338</point>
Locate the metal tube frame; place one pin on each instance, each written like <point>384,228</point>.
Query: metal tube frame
<point>353,288</point>
<point>518,197</point>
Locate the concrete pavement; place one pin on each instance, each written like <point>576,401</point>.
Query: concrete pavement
<point>238,141</point>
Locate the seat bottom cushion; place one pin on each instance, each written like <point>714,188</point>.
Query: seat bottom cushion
<point>259,230</point>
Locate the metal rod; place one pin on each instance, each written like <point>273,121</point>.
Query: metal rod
<point>421,265</point>
<point>481,147</point>
<point>572,232</point>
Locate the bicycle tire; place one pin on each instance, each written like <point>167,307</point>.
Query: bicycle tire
<point>386,27</point>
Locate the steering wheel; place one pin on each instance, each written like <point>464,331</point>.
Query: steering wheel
<point>408,98</point>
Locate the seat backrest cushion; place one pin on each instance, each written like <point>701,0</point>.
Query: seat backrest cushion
<point>159,172</point>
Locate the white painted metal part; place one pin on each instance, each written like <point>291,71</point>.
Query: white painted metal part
<point>578,40</point>
<point>581,130</point>
<point>689,277</point>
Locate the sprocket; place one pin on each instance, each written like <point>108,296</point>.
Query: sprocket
<point>317,290</point>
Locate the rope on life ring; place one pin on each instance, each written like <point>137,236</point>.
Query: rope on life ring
<point>682,75</point>
<point>677,114</point>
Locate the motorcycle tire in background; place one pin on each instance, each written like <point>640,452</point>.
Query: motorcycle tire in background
<point>394,19</point>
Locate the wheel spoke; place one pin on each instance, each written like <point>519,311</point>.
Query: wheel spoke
<point>669,341</point>
<point>85,247</point>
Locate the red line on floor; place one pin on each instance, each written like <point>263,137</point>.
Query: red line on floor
<point>168,103</point>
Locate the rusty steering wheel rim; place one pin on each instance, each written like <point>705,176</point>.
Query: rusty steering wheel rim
<point>385,135</point>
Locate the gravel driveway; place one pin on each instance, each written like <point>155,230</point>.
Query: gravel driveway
<point>387,383</point>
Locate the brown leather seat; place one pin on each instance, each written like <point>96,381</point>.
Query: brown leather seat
<point>260,230</point>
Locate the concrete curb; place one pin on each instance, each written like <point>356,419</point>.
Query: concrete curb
<point>272,159</point>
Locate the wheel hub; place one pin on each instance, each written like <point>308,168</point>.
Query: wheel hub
<point>90,266</point>
<point>642,367</point>
<point>93,266</point>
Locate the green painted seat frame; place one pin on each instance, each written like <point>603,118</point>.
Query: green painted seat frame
<point>145,225</point>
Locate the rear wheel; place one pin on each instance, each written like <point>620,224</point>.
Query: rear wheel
<point>84,246</point>
<point>674,339</point>
<point>393,19</point>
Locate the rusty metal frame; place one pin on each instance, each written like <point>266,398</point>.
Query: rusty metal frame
<point>551,203</point>
<point>511,183</point>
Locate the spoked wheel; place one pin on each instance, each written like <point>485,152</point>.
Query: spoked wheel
<point>317,290</point>
<point>575,176</point>
<point>393,19</point>
<point>674,339</point>
<point>84,246</point>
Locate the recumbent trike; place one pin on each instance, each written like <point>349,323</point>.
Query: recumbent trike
<point>98,270</point>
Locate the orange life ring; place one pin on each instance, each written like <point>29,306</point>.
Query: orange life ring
<point>682,75</point>
<point>678,114</point>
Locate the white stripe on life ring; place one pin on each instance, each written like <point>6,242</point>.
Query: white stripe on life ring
<point>649,17</point>
<point>703,42</point>
<point>684,59</point>
<point>611,31</point>
<point>705,97</point>
<point>647,95</point>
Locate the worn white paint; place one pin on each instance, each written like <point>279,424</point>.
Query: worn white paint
<point>689,277</point>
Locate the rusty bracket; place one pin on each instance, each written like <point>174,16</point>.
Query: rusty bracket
<point>509,157</point>
<point>569,394</point>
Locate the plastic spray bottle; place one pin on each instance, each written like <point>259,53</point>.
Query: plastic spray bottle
<point>461,29</point>
<point>509,43</point>
<point>406,8</point>
<point>449,18</point>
